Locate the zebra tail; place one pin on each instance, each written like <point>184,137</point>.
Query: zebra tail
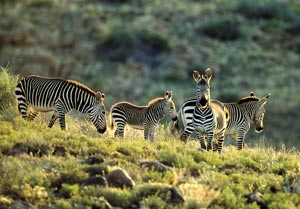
<point>176,123</point>
<point>111,122</point>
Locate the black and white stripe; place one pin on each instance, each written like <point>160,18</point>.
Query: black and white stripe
<point>142,117</point>
<point>242,114</point>
<point>209,119</point>
<point>60,96</point>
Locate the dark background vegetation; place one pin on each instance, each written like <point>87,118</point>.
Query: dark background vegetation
<point>135,50</point>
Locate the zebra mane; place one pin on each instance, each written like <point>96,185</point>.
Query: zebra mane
<point>248,99</point>
<point>80,85</point>
<point>153,101</point>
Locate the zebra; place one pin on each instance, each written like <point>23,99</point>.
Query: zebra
<point>59,95</point>
<point>209,119</point>
<point>242,114</point>
<point>142,117</point>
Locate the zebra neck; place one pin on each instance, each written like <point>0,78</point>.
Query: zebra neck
<point>156,111</point>
<point>249,108</point>
<point>203,109</point>
<point>84,103</point>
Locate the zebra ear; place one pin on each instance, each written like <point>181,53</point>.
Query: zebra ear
<point>196,75</point>
<point>168,95</point>
<point>265,99</point>
<point>208,74</point>
<point>252,94</point>
<point>100,96</point>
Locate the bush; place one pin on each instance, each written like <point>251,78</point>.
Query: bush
<point>8,83</point>
<point>225,28</point>
<point>261,10</point>
<point>141,45</point>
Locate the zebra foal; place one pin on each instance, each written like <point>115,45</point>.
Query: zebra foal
<point>209,119</point>
<point>248,110</point>
<point>142,117</point>
<point>60,96</point>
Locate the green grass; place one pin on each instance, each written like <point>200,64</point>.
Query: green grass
<point>148,47</point>
<point>250,45</point>
<point>32,171</point>
<point>45,167</point>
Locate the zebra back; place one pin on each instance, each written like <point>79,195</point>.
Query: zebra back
<point>241,114</point>
<point>42,93</point>
<point>59,95</point>
<point>154,110</point>
<point>124,109</point>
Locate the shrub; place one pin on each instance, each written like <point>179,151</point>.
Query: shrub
<point>293,27</point>
<point>141,45</point>
<point>224,28</point>
<point>8,83</point>
<point>261,10</point>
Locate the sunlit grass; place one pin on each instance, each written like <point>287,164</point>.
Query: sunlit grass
<point>31,166</point>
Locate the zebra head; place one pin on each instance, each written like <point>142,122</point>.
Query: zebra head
<point>169,107</point>
<point>97,113</point>
<point>259,113</point>
<point>203,87</point>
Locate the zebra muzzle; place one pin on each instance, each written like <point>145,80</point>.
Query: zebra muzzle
<point>203,101</point>
<point>101,131</point>
<point>259,129</point>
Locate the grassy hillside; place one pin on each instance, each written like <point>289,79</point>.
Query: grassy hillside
<point>48,168</point>
<point>147,47</point>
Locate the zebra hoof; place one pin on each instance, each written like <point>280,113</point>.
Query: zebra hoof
<point>202,150</point>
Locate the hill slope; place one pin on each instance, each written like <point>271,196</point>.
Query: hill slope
<point>155,45</point>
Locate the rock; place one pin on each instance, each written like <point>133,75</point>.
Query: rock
<point>176,196</point>
<point>94,180</point>
<point>255,197</point>
<point>94,160</point>
<point>156,166</point>
<point>119,178</point>
<point>161,168</point>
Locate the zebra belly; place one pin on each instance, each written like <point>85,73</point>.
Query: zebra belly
<point>201,128</point>
<point>136,126</point>
<point>44,109</point>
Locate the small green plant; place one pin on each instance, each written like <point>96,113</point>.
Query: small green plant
<point>8,83</point>
<point>141,45</point>
<point>36,195</point>
<point>224,28</point>
<point>264,9</point>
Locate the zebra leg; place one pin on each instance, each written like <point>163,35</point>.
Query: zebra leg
<point>241,141</point>
<point>31,115</point>
<point>201,138</point>
<point>119,132</point>
<point>220,142</point>
<point>52,120</point>
<point>209,136</point>
<point>215,145</point>
<point>188,130</point>
<point>22,107</point>
<point>62,120</point>
<point>149,132</point>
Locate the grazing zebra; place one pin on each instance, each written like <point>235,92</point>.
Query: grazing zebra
<point>242,114</point>
<point>209,119</point>
<point>142,117</point>
<point>60,96</point>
